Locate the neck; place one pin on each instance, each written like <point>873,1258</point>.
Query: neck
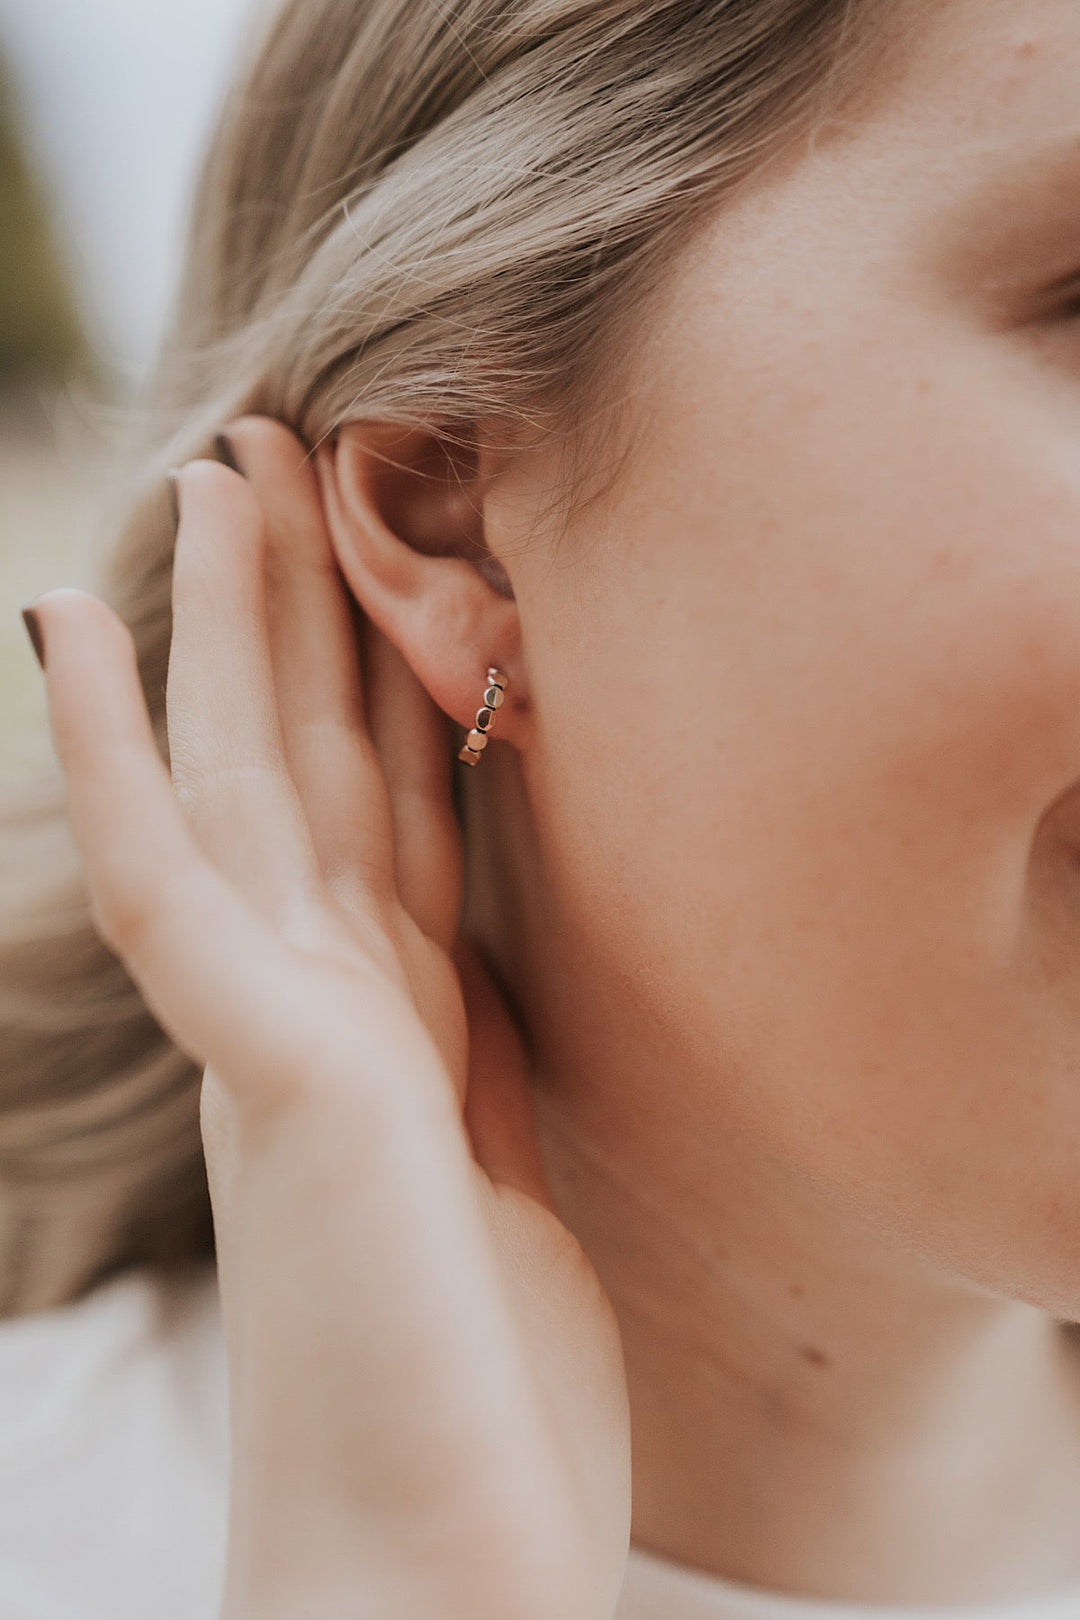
<point>806,1417</point>
<point>815,1409</point>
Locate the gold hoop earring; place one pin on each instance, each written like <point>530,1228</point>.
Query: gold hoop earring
<point>476,741</point>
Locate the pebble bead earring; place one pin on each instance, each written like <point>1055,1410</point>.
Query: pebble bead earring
<point>476,741</point>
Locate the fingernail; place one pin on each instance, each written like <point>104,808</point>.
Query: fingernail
<point>33,630</point>
<point>227,453</point>
<point>174,499</point>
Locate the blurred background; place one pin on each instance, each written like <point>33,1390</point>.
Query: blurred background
<point>104,108</point>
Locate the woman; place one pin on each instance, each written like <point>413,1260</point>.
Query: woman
<point>664,417</point>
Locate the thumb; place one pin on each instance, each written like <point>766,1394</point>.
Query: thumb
<point>500,1115</point>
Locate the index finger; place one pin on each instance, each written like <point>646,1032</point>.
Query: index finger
<point>226,749</point>
<point>204,962</point>
<point>315,654</point>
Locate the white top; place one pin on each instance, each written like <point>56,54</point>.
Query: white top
<point>113,1470</point>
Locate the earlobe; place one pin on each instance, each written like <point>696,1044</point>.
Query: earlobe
<point>406,513</point>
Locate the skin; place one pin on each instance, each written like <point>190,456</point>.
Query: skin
<point>786,844</point>
<point>427,1402</point>
<point>779,833</point>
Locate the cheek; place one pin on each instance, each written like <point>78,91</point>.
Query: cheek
<point>862,657</point>
<point>819,708</point>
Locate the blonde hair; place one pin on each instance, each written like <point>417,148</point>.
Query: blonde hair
<point>433,211</point>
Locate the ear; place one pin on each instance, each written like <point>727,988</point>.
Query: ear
<point>406,512</point>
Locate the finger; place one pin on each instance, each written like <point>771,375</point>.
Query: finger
<point>500,1114</point>
<point>314,652</point>
<point>228,761</point>
<point>209,969</point>
<point>415,745</point>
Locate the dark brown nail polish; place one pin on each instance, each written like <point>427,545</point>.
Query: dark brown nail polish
<point>174,500</point>
<point>33,630</point>
<point>227,454</point>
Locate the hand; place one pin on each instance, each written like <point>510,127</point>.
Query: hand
<point>428,1405</point>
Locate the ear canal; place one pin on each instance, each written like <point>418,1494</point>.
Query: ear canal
<point>496,576</point>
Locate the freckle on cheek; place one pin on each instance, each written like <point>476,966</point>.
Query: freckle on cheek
<point>815,1357</point>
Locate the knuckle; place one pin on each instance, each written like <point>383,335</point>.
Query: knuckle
<point>364,893</point>
<point>122,914</point>
<point>306,923</point>
<point>130,902</point>
<point>219,786</point>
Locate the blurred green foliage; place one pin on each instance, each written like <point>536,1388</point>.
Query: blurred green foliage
<point>40,333</point>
